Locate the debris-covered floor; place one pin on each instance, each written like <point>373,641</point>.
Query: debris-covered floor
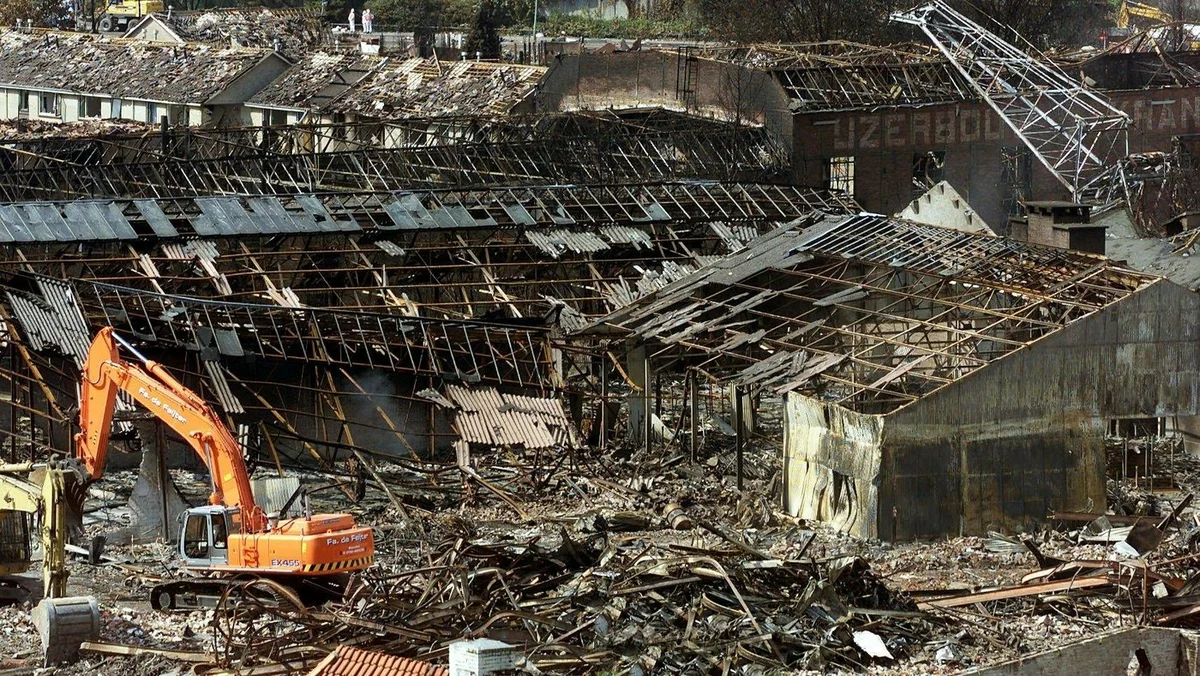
<point>595,563</point>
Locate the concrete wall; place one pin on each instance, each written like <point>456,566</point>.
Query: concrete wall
<point>883,143</point>
<point>154,29</point>
<point>72,107</point>
<point>254,116</point>
<point>1003,446</point>
<point>1170,652</point>
<point>251,82</point>
<point>654,78</point>
<point>368,428</point>
<point>606,9</point>
<point>1024,435</point>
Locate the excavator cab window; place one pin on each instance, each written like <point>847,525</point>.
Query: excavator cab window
<point>219,534</point>
<point>195,536</point>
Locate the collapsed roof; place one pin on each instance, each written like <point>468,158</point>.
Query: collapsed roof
<point>314,81</point>
<point>393,88</point>
<point>836,76</point>
<point>86,64</point>
<point>828,76</point>
<point>294,30</point>
<point>867,312</point>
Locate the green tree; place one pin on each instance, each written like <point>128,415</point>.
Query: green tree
<point>1042,22</point>
<point>44,13</point>
<point>484,38</point>
<point>423,17</point>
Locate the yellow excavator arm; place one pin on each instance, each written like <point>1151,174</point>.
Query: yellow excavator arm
<point>43,494</point>
<point>1129,9</point>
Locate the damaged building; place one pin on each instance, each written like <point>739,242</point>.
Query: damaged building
<point>934,382</point>
<point>339,88</point>
<point>65,77</point>
<point>303,298</point>
<point>884,123</point>
<point>292,32</point>
<point>604,366</point>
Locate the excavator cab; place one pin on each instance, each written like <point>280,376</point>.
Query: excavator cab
<point>204,538</point>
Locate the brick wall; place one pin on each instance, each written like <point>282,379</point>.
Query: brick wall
<point>883,143</point>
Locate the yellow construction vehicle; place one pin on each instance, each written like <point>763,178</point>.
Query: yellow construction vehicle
<point>27,492</point>
<point>45,492</point>
<point>119,13</point>
<point>1128,10</point>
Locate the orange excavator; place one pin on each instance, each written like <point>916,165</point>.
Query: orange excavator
<point>233,537</point>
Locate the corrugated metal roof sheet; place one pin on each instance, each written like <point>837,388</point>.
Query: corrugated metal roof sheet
<point>219,216</point>
<point>558,242</point>
<point>272,493</point>
<point>622,234</point>
<point>220,387</point>
<point>490,418</point>
<point>54,320</point>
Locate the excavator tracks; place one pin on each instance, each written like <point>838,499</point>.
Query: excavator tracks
<point>217,592</point>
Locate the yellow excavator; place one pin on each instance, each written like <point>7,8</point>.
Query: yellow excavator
<point>42,493</point>
<point>1128,10</point>
<point>30,493</point>
<point>119,14</point>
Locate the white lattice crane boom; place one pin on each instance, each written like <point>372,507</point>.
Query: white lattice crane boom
<point>1072,131</point>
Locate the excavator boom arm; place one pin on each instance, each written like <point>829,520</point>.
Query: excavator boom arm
<point>105,374</point>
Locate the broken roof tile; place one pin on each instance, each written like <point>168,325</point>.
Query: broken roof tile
<point>349,661</point>
<point>315,80</point>
<point>87,64</point>
<point>400,88</point>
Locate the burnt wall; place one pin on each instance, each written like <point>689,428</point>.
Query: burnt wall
<point>670,80</point>
<point>884,142</point>
<point>1007,443</point>
<point>1005,476</point>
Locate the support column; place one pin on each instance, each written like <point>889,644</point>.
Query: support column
<point>694,413</point>
<point>739,427</point>
<point>603,414</point>
<point>637,366</point>
<point>155,501</point>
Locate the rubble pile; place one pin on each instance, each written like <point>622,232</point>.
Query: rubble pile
<point>645,562</point>
<point>607,603</point>
<point>29,130</point>
<point>294,31</point>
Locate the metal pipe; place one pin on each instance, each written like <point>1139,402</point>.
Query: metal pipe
<point>133,350</point>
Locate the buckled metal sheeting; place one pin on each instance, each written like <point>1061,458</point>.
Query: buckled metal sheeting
<point>219,216</point>
<point>583,207</point>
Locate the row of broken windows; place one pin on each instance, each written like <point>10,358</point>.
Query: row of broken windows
<point>50,105</point>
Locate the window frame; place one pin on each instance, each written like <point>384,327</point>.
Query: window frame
<point>55,111</point>
<point>87,102</point>
<point>930,163</point>
<point>840,174</point>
